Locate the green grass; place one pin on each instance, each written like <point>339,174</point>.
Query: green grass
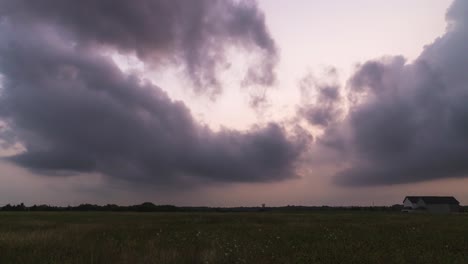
<point>232,238</point>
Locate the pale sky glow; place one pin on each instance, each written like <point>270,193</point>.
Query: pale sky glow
<point>314,35</point>
<point>311,36</point>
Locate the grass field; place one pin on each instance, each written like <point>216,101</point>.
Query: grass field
<point>232,238</point>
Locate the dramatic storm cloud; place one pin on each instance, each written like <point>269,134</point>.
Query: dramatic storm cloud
<point>408,122</point>
<point>192,33</point>
<point>73,110</point>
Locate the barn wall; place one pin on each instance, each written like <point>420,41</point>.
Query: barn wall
<point>455,208</point>
<point>421,203</point>
<point>408,203</point>
<point>441,208</point>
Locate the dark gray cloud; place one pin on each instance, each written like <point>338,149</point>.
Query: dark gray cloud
<point>321,99</point>
<point>408,122</point>
<point>75,111</point>
<point>194,34</point>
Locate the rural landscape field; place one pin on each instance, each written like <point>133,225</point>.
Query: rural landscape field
<point>262,237</point>
<point>289,132</point>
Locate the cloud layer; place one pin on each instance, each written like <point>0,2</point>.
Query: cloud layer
<point>194,34</point>
<point>73,110</point>
<point>408,122</point>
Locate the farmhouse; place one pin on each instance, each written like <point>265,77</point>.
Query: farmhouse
<point>432,204</point>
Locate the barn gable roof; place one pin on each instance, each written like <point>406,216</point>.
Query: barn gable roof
<point>434,199</point>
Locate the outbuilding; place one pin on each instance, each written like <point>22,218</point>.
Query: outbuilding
<point>431,204</point>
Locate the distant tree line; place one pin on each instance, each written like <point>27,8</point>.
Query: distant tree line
<point>150,207</point>
<point>144,207</point>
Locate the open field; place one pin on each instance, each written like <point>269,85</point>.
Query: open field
<point>232,238</point>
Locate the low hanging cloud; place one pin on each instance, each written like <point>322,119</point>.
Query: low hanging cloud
<point>408,122</point>
<point>74,111</point>
<point>194,34</point>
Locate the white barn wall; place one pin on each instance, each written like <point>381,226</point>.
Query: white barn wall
<point>408,203</point>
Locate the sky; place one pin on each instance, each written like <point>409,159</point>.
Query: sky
<point>232,103</point>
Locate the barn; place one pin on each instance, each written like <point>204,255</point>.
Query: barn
<point>431,204</point>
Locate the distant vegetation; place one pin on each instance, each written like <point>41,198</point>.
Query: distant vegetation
<point>144,207</point>
<point>150,207</point>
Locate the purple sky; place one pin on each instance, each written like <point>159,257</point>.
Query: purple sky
<point>228,103</point>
